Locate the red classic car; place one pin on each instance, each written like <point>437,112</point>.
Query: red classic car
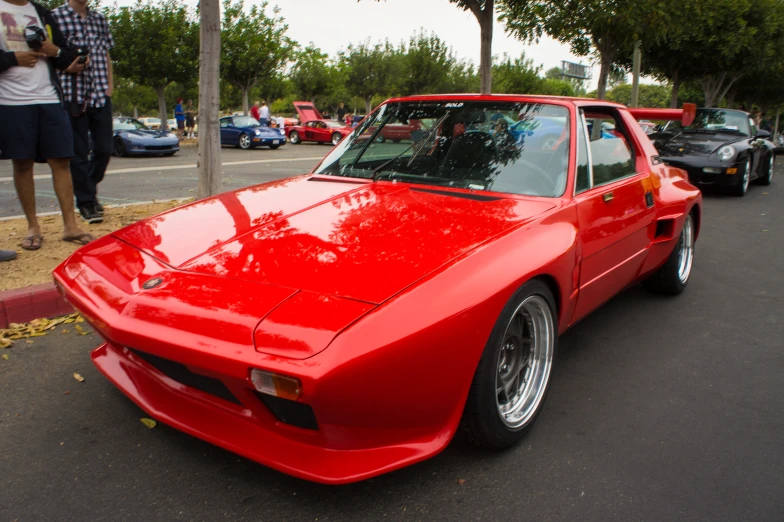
<point>350,321</point>
<point>313,127</point>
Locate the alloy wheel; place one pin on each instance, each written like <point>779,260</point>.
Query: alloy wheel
<point>686,254</point>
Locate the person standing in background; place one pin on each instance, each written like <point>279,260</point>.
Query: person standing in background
<point>88,96</point>
<point>179,116</point>
<point>254,111</point>
<point>341,113</point>
<point>264,114</point>
<point>33,123</point>
<point>190,119</point>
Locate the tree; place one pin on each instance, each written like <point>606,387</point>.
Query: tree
<point>517,76</point>
<point>607,26</point>
<point>155,45</point>
<point>427,64</point>
<point>484,11</point>
<point>655,96</point>
<point>312,73</point>
<point>370,70</point>
<point>253,45</point>
<point>129,98</point>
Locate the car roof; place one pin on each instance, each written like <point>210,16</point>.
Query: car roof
<point>506,97</point>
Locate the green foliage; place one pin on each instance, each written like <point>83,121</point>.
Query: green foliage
<point>370,70</point>
<point>557,87</point>
<point>517,76</point>
<point>314,76</point>
<point>129,96</point>
<point>427,64</point>
<point>649,95</point>
<point>254,46</point>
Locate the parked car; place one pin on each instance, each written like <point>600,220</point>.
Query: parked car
<point>133,138</point>
<point>151,123</point>
<point>246,132</point>
<point>348,322</point>
<point>721,148</point>
<point>314,127</point>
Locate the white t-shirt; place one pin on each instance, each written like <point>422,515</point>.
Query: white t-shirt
<point>264,113</point>
<point>281,122</point>
<point>22,85</point>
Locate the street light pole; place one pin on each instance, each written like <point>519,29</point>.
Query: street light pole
<point>209,99</point>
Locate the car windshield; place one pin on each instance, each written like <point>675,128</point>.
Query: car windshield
<point>715,120</point>
<point>516,148</point>
<point>128,124</point>
<point>153,121</point>
<point>246,121</point>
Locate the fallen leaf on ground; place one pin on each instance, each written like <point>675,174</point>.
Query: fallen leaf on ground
<point>460,481</point>
<point>78,377</point>
<point>5,356</point>
<point>80,330</point>
<point>148,422</point>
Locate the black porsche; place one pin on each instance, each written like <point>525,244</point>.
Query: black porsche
<point>721,148</point>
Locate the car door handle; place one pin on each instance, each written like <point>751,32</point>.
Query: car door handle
<point>608,197</point>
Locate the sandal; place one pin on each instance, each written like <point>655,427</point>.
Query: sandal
<point>81,239</point>
<point>33,242</point>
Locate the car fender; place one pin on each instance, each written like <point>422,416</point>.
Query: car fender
<point>404,370</point>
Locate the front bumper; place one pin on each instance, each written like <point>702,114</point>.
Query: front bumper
<point>260,141</point>
<point>150,150</point>
<point>703,172</point>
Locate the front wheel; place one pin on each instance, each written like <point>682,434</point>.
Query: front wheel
<point>336,137</point>
<point>244,141</point>
<point>768,177</point>
<point>513,375</point>
<point>674,274</point>
<point>294,138</point>
<point>743,186</point>
<point>119,147</point>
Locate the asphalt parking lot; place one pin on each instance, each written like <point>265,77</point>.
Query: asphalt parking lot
<point>140,179</point>
<point>660,409</point>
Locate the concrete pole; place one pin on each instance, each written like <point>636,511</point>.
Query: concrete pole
<point>776,129</point>
<point>636,75</point>
<point>209,99</point>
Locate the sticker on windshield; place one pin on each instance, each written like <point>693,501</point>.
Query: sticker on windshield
<point>454,105</point>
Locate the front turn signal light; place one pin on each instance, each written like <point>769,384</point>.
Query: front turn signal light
<point>732,171</point>
<point>276,385</point>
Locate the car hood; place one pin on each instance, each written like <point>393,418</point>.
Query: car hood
<point>694,143</point>
<point>363,241</point>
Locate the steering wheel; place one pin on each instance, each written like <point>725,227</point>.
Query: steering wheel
<point>542,177</point>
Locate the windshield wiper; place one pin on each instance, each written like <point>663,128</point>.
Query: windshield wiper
<point>427,137</point>
<point>381,167</point>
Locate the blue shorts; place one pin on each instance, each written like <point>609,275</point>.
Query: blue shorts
<point>37,132</point>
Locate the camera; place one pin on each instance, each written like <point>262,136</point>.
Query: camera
<point>34,36</point>
<point>82,53</point>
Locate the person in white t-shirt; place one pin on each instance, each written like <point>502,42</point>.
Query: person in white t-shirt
<point>33,123</point>
<point>264,114</point>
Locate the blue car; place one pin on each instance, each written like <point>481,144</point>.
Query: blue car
<point>246,132</point>
<point>133,138</point>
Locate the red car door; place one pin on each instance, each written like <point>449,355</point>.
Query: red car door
<point>309,135</point>
<point>615,210</point>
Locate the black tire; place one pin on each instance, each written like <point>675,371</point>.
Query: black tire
<point>668,278</point>
<point>767,179</point>
<point>244,142</point>
<point>294,138</point>
<point>273,147</point>
<point>741,188</point>
<point>481,424</point>
<point>119,147</point>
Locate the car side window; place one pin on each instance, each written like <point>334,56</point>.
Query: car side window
<point>612,156</point>
<point>583,178</point>
<point>224,123</point>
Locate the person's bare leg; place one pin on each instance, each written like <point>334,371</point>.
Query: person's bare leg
<point>63,187</point>
<point>25,189</point>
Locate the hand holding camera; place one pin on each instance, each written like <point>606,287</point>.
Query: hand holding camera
<point>28,58</point>
<point>78,65</point>
<point>37,41</point>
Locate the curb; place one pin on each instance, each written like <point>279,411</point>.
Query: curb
<point>22,305</point>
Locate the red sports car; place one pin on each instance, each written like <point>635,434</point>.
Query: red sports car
<point>314,127</point>
<point>348,322</point>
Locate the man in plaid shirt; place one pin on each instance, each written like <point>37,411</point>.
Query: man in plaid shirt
<point>88,97</point>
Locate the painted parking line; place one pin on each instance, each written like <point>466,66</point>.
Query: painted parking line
<point>185,166</point>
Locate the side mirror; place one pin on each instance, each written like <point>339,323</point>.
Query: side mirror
<point>762,134</point>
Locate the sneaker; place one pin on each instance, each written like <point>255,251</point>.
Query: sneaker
<point>90,215</point>
<point>98,207</point>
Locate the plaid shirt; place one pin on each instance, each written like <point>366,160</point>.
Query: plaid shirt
<point>91,32</point>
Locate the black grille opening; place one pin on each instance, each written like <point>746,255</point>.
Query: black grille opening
<point>158,147</point>
<point>291,412</point>
<point>464,195</point>
<point>180,373</point>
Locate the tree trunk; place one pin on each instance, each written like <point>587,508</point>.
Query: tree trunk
<point>135,112</point>
<point>676,86</point>
<point>244,89</point>
<point>159,91</point>
<point>604,72</point>
<point>209,98</point>
<point>367,105</point>
<point>486,47</point>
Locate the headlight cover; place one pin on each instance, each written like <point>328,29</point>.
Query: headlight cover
<point>258,133</point>
<point>726,153</point>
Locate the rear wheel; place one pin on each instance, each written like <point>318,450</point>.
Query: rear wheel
<point>768,177</point>
<point>244,141</point>
<point>119,147</point>
<point>513,375</point>
<point>743,187</point>
<point>674,274</point>
<point>336,137</point>
<point>294,138</point>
